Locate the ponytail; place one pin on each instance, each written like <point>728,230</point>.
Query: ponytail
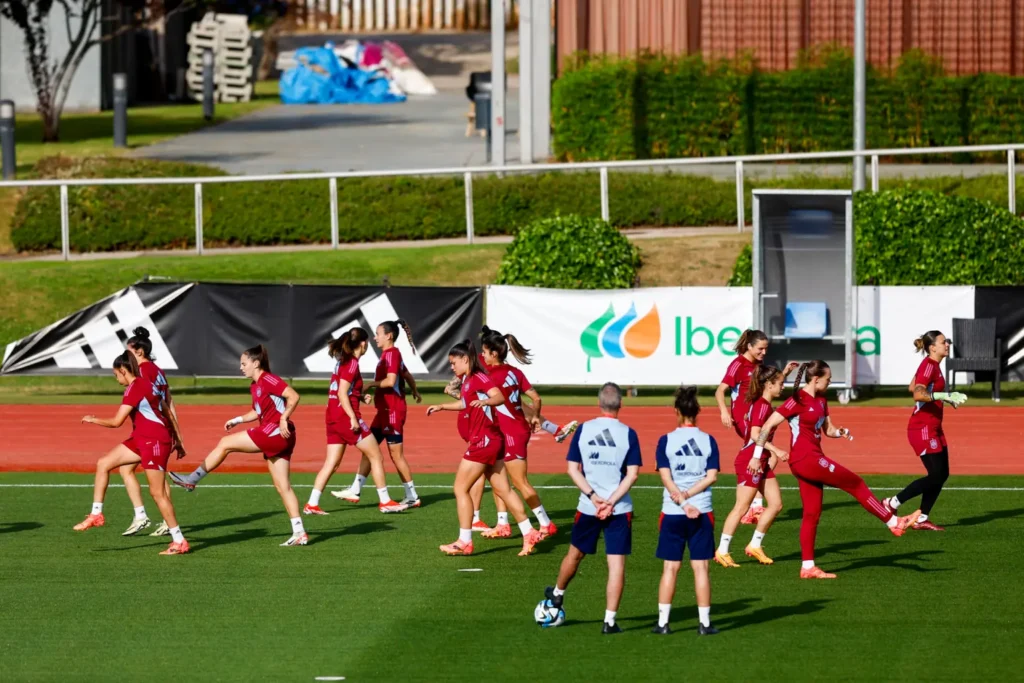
<point>809,370</point>
<point>759,379</point>
<point>923,343</point>
<point>140,340</point>
<point>344,347</point>
<point>686,402</point>
<point>466,349</point>
<point>748,339</point>
<point>259,354</point>
<point>127,361</point>
<point>391,327</point>
<point>502,344</point>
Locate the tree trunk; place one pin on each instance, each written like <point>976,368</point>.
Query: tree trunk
<point>51,125</point>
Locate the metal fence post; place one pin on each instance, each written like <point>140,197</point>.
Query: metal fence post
<point>874,173</point>
<point>606,213</point>
<point>65,232</point>
<point>334,213</point>
<point>467,180</point>
<point>741,219</point>
<point>1011,172</point>
<point>199,219</point>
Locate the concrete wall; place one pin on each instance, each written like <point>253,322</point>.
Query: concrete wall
<point>14,81</point>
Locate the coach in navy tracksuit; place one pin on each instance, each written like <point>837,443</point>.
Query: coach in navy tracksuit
<point>604,462</point>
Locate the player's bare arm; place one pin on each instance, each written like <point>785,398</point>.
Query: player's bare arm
<point>122,414</point>
<point>724,409</point>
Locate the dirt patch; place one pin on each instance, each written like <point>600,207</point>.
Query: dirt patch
<point>698,261</point>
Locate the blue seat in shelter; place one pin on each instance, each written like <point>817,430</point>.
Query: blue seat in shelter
<point>806,319</point>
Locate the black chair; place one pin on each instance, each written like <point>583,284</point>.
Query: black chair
<point>975,348</point>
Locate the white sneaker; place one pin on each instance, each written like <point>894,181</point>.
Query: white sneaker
<point>410,502</point>
<point>161,530</point>
<point>347,495</point>
<point>297,539</point>
<point>138,525</point>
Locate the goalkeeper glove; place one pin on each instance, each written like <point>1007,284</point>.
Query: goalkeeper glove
<point>955,399</point>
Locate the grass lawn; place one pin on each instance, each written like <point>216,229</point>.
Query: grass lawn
<point>372,599</point>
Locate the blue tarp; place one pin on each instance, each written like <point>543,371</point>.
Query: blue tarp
<point>320,78</point>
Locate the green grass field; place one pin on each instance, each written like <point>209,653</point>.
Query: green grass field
<point>372,599</point>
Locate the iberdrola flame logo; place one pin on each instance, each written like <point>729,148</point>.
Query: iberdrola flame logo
<point>638,338</point>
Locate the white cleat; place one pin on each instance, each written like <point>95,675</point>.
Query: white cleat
<point>138,525</point>
<point>410,503</point>
<point>162,530</point>
<point>347,495</point>
<point>181,481</point>
<point>392,506</point>
<point>566,430</point>
<point>296,539</point>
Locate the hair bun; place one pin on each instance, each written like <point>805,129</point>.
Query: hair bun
<point>141,332</point>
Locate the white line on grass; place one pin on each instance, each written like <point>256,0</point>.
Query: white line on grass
<point>448,487</point>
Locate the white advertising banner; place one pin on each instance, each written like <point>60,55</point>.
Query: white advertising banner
<point>668,335</point>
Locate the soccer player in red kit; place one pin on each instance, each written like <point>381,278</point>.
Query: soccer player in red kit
<point>750,351</point>
<point>755,476</point>
<point>154,431</point>
<point>807,412</point>
<point>388,425</point>
<point>142,348</point>
<point>486,449</point>
<point>273,403</point>
<point>514,427</point>
<point>925,428</point>
<point>345,426</point>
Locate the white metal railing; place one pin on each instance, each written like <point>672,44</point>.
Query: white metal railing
<point>467,172</point>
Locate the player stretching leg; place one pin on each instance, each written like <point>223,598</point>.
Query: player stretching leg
<point>612,467</point>
<point>687,461</point>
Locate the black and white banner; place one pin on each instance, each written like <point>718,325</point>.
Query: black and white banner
<point>201,329</point>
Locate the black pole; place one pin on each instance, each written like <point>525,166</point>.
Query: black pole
<point>208,85</point>
<point>7,139</point>
<point>120,110</point>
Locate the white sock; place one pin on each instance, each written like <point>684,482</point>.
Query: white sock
<point>758,502</point>
<point>609,617</point>
<point>922,518</point>
<point>755,542</point>
<point>807,564</point>
<point>525,526</point>
<point>894,503</point>
<point>723,544</point>
<point>549,427</point>
<point>357,484</point>
<point>198,475</point>
<point>97,509</point>
<point>410,490</point>
<point>297,525</point>
<point>704,614</point>
<point>542,516</point>
<point>466,535</point>
<point>176,534</point>
<point>502,518</point>
<point>663,613</point>
<point>314,497</point>
<point>476,516</point>
<point>140,512</point>
<point>383,495</point>
<point>558,591</point>
<point>893,521</point>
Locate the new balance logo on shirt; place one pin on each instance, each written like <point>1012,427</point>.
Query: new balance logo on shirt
<point>602,439</point>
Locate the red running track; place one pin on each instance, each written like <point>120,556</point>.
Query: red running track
<point>44,438</point>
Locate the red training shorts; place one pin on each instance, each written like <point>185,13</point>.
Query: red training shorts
<point>486,450</point>
<point>745,478</point>
<point>390,421</point>
<point>154,454</point>
<point>516,442</point>
<point>269,440</point>
<point>926,440</point>
<point>341,433</point>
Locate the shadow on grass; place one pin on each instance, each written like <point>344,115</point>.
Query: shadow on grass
<point>645,622</point>
<point>901,561</point>
<point>15,527</point>
<point>354,530</point>
<point>989,517</point>
<point>232,521</point>
<point>767,614</point>
<point>837,548</point>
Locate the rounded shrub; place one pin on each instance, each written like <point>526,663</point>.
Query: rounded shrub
<point>570,252</point>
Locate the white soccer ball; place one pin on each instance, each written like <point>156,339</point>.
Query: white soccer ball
<point>547,615</point>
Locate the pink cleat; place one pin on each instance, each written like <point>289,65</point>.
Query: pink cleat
<point>457,548</point>
<point>392,506</point>
<point>926,525</point>
<point>500,531</point>
<point>547,531</point>
<point>314,510</point>
<point>177,548</point>
<point>752,515</point>
<point>481,525</point>
<point>90,521</point>
<point>815,572</point>
<point>529,541</point>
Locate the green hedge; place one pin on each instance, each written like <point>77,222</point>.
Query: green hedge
<point>570,252</point>
<point>161,216</point>
<point>915,237</point>
<point>657,106</point>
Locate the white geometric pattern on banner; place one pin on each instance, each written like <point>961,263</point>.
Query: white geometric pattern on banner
<point>102,339</point>
<point>321,361</point>
<point>132,313</point>
<point>71,358</point>
<point>378,310</point>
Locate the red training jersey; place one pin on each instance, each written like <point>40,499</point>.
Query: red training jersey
<point>347,371</point>
<point>390,399</point>
<point>737,378</point>
<point>806,418</point>
<point>156,377</point>
<point>928,413</point>
<point>512,382</point>
<point>482,421</point>
<point>268,398</point>
<point>148,422</point>
<point>757,414</point>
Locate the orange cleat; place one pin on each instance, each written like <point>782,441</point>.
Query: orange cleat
<point>314,510</point>
<point>548,531</point>
<point>758,554</point>
<point>500,531</point>
<point>457,548</point>
<point>90,521</point>
<point>481,525</point>
<point>177,548</point>
<point>392,506</point>
<point>815,572</point>
<point>529,541</point>
<point>725,559</point>
<point>904,523</point>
